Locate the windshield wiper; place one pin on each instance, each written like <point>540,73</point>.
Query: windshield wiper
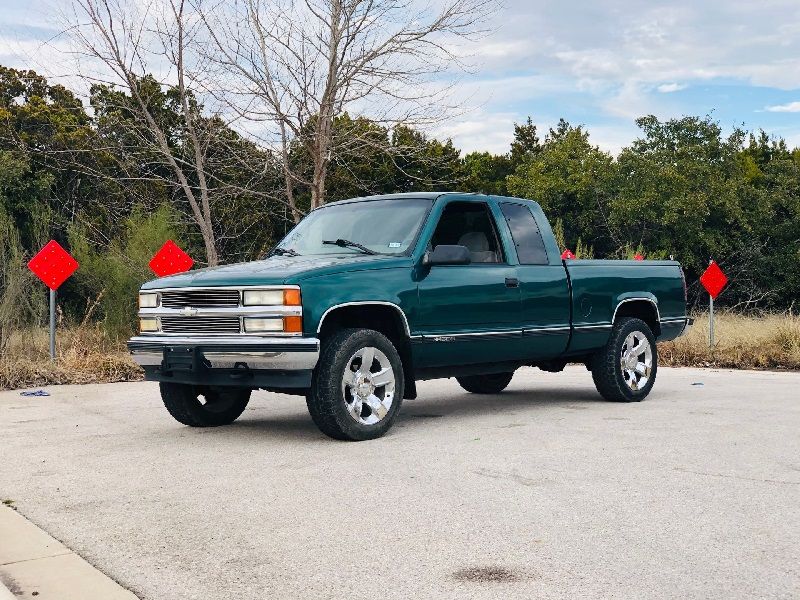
<point>348,244</point>
<point>283,252</point>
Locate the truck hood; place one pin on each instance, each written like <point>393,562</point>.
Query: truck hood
<point>277,270</point>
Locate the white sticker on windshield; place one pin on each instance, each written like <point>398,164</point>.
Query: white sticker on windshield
<point>395,244</point>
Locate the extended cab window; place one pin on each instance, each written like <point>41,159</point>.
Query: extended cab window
<point>469,224</point>
<point>526,234</point>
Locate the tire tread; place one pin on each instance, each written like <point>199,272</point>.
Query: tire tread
<point>605,363</point>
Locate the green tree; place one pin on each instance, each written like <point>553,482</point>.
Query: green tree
<point>485,173</point>
<point>114,273</point>
<point>679,190</point>
<point>573,181</point>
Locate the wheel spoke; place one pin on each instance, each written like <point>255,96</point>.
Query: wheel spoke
<point>632,381</point>
<point>349,378</point>
<point>367,357</point>
<point>383,377</point>
<point>377,407</point>
<point>642,369</point>
<point>355,407</point>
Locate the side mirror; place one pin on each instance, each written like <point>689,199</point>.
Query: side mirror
<point>447,255</point>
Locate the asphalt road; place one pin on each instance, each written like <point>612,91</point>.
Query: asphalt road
<point>544,491</point>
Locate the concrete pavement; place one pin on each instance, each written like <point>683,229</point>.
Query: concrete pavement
<point>544,491</point>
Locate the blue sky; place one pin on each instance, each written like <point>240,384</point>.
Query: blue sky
<point>600,63</point>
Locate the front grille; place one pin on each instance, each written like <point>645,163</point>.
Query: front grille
<point>209,298</point>
<point>200,325</point>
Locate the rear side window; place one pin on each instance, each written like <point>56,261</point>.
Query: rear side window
<point>525,231</point>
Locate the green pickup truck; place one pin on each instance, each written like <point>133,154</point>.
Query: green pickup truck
<point>364,297</point>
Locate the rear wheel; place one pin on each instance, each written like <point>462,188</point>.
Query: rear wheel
<point>625,370</point>
<point>204,406</point>
<point>485,384</point>
<point>357,387</point>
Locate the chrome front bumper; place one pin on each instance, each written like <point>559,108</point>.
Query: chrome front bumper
<point>230,352</point>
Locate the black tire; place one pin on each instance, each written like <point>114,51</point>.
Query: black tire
<point>222,406</point>
<point>485,384</point>
<point>611,380</point>
<point>326,401</point>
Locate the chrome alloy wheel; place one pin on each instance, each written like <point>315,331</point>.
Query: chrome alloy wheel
<point>368,385</point>
<point>636,360</point>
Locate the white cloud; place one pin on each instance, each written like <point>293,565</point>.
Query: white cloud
<point>790,107</point>
<point>668,88</point>
<point>630,54</point>
<point>481,131</point>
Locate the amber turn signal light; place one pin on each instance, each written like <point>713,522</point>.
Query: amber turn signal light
<point>293,324</point>
<point>291,297</point>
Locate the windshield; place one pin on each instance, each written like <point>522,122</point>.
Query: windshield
<point>379,226</point>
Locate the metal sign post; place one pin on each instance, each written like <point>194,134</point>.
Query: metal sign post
<point>52,324</point>
<point>710,321</point>
<point>713,279</point>
<point>53,265</point>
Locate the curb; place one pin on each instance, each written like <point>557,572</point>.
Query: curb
<point>36,565</point>
<point>5,593</point>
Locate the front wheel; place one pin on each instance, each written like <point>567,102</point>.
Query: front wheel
<point>357,387</point>
<point>204,406</point>
<point>625,369</point>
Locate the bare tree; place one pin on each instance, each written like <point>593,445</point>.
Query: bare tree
<point>291,67</point>
<point>128,44</point>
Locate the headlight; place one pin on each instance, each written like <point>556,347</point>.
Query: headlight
<point>149,325</point>
<point>290,297</point>
<point>148,300</point>
<point>262,298</point>
<point>263,324</point>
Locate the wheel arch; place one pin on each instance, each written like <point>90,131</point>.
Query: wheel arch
<point>385,317</point>
<point>644,307</point>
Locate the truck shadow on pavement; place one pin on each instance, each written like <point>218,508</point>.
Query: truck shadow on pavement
<point>452,407</point>
<point>466,406</point>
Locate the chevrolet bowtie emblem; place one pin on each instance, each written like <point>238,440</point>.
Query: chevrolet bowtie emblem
<point>189,312</point>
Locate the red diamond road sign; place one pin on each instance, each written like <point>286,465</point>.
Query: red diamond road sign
<point>53,265</point>
<point>567,254</point>
<point>713,279</point>
<point>170,260</point>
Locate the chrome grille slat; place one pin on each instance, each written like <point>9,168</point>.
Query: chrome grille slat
<point>204,298</point>
<point>200,325</point>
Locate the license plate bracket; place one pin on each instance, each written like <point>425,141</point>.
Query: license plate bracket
<point>180,358</point>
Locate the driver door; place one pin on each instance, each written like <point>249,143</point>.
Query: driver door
<point>471,313</point>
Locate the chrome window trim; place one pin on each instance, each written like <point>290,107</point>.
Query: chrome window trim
<point>367,303</point>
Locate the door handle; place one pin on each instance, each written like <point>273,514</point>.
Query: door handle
<point>512,282</point>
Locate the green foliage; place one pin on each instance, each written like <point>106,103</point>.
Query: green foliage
<point>485,173</point>
<point>558,233</point>
<point>526,142</point>
<point>572,180</point>
<point>582,250</point>
<point>111,276</point>
<point>22,302</point>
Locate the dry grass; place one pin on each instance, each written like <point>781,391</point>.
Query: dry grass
<point>84,355</point>
<point>741,342</point>
<point>87,355</point>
